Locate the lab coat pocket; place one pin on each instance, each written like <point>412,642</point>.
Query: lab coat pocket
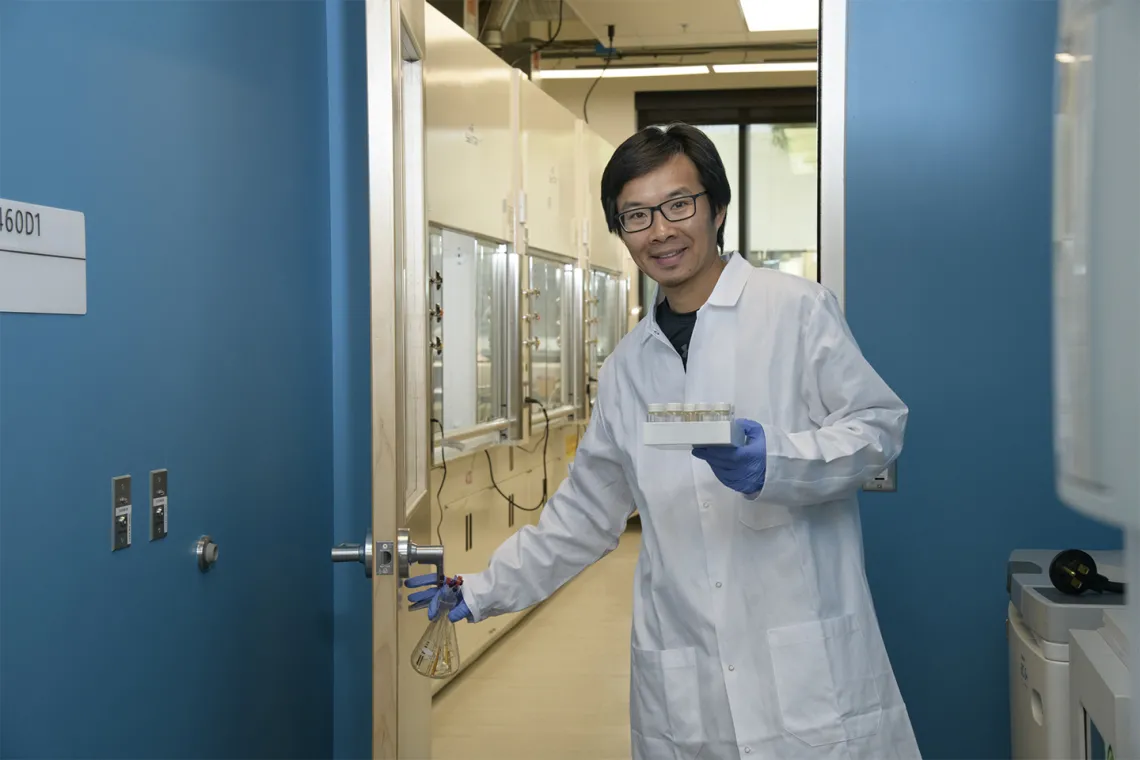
<point>761,515</point>
<point>826,687</point>
<point>665,698</point>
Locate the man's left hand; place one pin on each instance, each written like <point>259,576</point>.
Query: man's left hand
<point>741,468</point>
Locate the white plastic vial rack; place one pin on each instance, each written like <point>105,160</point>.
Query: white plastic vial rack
<point>683,426</point>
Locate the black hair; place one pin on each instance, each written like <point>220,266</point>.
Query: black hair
<point>651,148</point>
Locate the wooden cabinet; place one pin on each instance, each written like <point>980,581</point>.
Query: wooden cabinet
<point>549,176</point>
<point>470,148</point>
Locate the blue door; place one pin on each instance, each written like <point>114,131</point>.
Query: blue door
<point>217,152</point>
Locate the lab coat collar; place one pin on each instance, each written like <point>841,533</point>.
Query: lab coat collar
<point>725,294</point>
<point>731,283</point>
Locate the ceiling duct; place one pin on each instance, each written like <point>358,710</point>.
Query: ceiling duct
<point>498,17</point>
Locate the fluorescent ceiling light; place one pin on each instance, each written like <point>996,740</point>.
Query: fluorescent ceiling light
<point>750,68</point>
<point>780,15</point>
<point>612,73</point>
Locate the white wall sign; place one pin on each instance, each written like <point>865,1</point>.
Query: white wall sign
<point>43,259</point>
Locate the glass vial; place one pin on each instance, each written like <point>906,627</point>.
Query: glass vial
<point>705,412</point>
<point>437,653</point>
<point>675,412</point>
<point>722,412</point>
<point>657,413</point>
<point>690,413</point>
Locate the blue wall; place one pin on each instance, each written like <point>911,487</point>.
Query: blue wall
<point>949,119</point>
<point>352,391</point>
<point>195,138</point>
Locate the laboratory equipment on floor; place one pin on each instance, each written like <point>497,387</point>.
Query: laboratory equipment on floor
<point>1041,621</point>
<point>1096,357</point>
<point>684,426</point>
<point>437,653</point>
<point>1100,691</point>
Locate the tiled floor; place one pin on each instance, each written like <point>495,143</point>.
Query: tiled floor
<point>557,686</point>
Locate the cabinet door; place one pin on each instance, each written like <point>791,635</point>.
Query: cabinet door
<point>604,246</point>
<point>453,534</point>
<point>470,154</point>
<point>485,536</point>
<point>548,139</point>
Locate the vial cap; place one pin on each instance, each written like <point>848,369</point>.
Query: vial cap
<point>704,407</point>
<point>690,407</point>
<point>656,408</point>
<point>722,407</point>
<point>674,407</point>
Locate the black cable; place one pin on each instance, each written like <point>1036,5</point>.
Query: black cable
<point>438,494</point>
<point>545,439</point>
<point>548,42</point>
<point>589,92</point>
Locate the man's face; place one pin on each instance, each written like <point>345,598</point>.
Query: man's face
<point>671,252</point>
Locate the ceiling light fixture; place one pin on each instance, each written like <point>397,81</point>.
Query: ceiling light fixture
<point>768,66</point>
<point>780,15</point>
<point>618,73</point>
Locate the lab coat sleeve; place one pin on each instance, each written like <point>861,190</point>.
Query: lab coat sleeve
<point>860,419</point>
<point>581,522</point>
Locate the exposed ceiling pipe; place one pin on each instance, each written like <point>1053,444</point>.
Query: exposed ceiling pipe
<point>498,16</point>
<point>588,49</point>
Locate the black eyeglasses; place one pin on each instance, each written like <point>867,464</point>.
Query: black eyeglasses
<point>675,210</point>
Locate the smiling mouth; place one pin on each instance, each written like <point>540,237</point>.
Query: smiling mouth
<point>672,255</point>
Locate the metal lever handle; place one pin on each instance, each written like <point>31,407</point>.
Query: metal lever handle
<point>533,342</point>
<point>361,553</point>
<point>411,554</point>
<point>350,553</point>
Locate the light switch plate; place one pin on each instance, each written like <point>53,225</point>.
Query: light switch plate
<point>159,504</point>
<point>120,513</point>
<point>887,480</point>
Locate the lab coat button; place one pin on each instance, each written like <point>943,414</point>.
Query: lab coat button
<point>748,750</point>
<point>732,667</point>
<point>718,584</point>
<point>705,505</point>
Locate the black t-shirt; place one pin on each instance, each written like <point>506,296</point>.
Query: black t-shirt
<point>678,328</point>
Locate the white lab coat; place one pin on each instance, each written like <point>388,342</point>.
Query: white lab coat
<point>754,633</point>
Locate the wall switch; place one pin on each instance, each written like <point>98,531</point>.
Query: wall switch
<point>884,481</point>
<point>159,519</point>
<point>121,513</point>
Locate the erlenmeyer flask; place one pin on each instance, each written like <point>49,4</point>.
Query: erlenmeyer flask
<point>437,654</point>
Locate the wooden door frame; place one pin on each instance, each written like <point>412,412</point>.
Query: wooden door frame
<point>831,91</point>
<point>385,22</point>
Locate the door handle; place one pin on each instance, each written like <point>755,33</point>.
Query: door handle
<point>376,557</point>
<point>379,557</point>
<point>411,554</point>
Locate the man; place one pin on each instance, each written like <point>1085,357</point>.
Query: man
<point>754,633</point>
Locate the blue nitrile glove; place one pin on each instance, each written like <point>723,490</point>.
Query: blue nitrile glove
<point>432,595</point>
<point>741,468</point>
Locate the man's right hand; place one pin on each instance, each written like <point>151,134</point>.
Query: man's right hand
<point>432,595</point>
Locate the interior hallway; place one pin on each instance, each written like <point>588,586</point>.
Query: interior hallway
<point>557,686</point>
